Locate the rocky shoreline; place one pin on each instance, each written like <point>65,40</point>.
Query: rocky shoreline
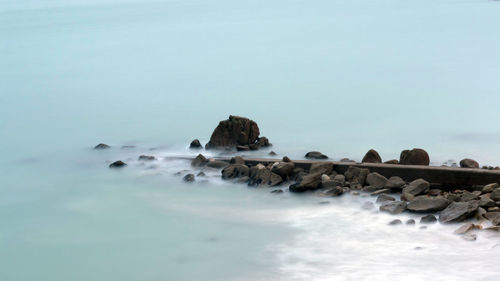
<point>476,206</point>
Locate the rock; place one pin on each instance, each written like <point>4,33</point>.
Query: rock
<point>435,192</point>
<point>189,178</point>
<point>458,211</point>
<point>118,164</point>
<point>464,228</point>
<point>347,160</point>
<point>212,163</point>
<point>339,180</point>
<point>195,144</point>
<point>396,222</point>
<point>242,148</point>
<point>415,156</point>
<point>355,193</point>
<point>128,147</point>
<point>286,159</point>
<point>384,198</point>
<point>261,142</point>
<point>396,207</point>
<point>371,156</point>
<point>393,162</point>
<point>199,161</point>
<point>235,171</point>
<point>277,191</point>
<point>235,131</point>
<point>415,188</point>
<point>201,174</point>
<point>310,181</point>
<point>376,180</point>
<point>283,169</point>
<point>272,153</point>
<point>495,194</point>
<point>395,183</point>
<point>146,158</point>
<point>356,175</point>
<point>493,217</point>
<point>328,183</point>
<point>428,219</point>
<point>479,214</point>
<point>325,178</point>
<point>493,209</point>
<point>237,160</point>
<point>243,180</point>
<point>368,188</point>
<point>489,188</point>
<point>315,155</point>
<point>424,204</point>
<point>260,175</point>
<point>335,191</point>
<point>469,163</point>
<point>102,146</point>
<point>321,168</point>
<point>410,222</point>
<point>453,197</point>
<point>380,191</point>
<point>468,196</point>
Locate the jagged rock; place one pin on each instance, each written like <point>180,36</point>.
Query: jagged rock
<point>393,161</point>
<point>308,182</point>
<point>384,197</point>
<point>146,158</point>
<point>261,142</point>
<point>424,204</point>
<point>493,217</point>
<point>380,191</point>
<point>237,160</point>
<point>102,146</point>
<point>415,188</point>
<point>199,161</point>
<point>415,156</point>
<point>395,222</point>
<point>189,178</point>
<point>376,180</point>
<point>315,155</point>
<point>284,169</point>
<point>195,144</point>
<point>464,228</point>
<point>395,207</point>
<point>468,196</point>
<point>495,194</point>
<point>395,183</point>
<point>371,156</point>
<point>489,188</point>
<point>356,175</point>
<point>458,211</point>
<point>428,219</point>
<point>321,168</point>
<point>260,175</point>
<point>469,163</point>
<point>236,131</point>
<point>118,164</point>
<point>235,171</point>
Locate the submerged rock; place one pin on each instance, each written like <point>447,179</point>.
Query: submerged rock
<point>102,146</point>
<point>372,156</point>
<point>428,219</point>
<point>395,222</point>
<point>195,144</point>
<point>396,207</point>
<point>416,156</point>
<point>118,164</point>
<point>199,161</point>
<point>458,211</point>
<point>464,228</point>
<point>272,153</point>
<point>146,158</point>
<point>235,131</point>
<point>315,155</point>
<point>469,163</point>
<point>189,178</point>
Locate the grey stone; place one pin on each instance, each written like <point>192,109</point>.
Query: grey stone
<point>315,155</point>
<point>102,146</point>
<point>416,188</point>
<point>195,144</point>
<point>284,169</point>
<point>384,197</point>
<point>469,163</point>
<point>376,180</point>
<point>493,217</point>
<point>189,178</point>
<point>356,175</point>
<point>395,183</point>
<point>458,211</point>
<point>199,161</point>
<point>495,194</point>
<point>428,219</point>
<point>424,204</point>
<point>235,171</point>
<point>396,207</point>
<point>395,222</point>
<point>380,191</point>
<point>490,187</point>
<point>464,228</point>
<point>212,163</point>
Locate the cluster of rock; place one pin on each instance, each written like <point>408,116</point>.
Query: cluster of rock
<point>235,132</point>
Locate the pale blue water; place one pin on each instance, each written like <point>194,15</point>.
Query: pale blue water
<point>338,76</point>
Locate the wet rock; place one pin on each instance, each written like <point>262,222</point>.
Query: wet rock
<point>464,228</point>
<point>308,182</point>
<point>453,197</point>
<point>195,144</point>
<point>428,219</point>
<point>272,153</point>
<point>468,196</point>
<point>410,222</point>
<point>396,222</point>
<point>212,163</point>
<point>458,211</point>
<point>315,155</point>
<point>493,217</point>
<point>102,146</point>
<point>243,180</point>
<point>384,198</point>
<point>335,191</point>
<point>369,188</point>
<point>376,180</point>
<point>372,156</point>
<point>199,161</point>
<point>118,164</point>
<point>235,131</point>
<point>146,158</point>
<point>479,214</point>
<point>242,148</point>
<point>489,188</point>
<point>396,207</point>
<point>321,168</point>
<point>277,191</point>
<point>261,143</point>
<point>189,178</point>
<point>260,175</point>
<point>395,183</point>
<point>201,174</point>
<point>424,204</point>
<point>355,193</point>
<point>393,162</point>
<point>495,194</point>
<point>469,163</point>
<point>283,169</point>
<point>356,175</point>
<point>286,159</point>
<point>493,209</point>
<point>339,180</point>
<point>380,191</point>
<point>416,188</point>
<point>235,171</point>
<point>415,156</point>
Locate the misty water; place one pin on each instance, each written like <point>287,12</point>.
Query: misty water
<point>338,76</point>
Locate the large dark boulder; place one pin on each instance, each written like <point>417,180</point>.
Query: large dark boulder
<point>376,180</point>
<point>284,169</point>
<point>395,183</point>
<point>356,175</point>
<point>102,146</point>
<point>236,131</point>
<point>235,171</point>
<point>372,156</point>
<point>458,211</point>
<point>424,204</point>
<point>307,182</point>
<point>195,144</point>
<point>189,178</point>
<point>315,155</point>
<point>469,163</point>
<point>118,164</point>
<point>260,175</point>
<point>416,187</point>
<point>415,156</point>
<point>495,194</point>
